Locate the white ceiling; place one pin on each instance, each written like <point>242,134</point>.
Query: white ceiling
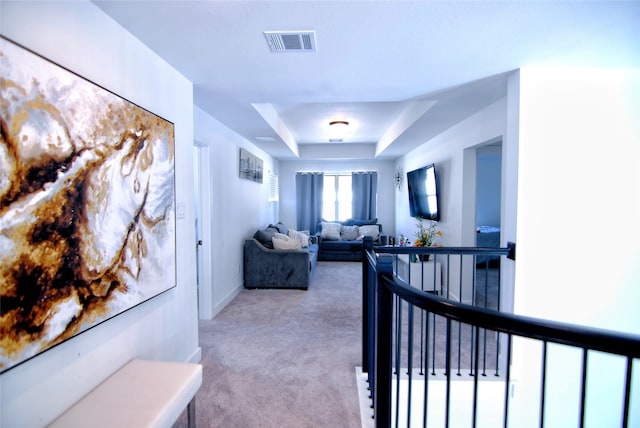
<point>399,71</point>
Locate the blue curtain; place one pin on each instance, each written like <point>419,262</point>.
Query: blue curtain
<point>364,190</point>
<point>309,187</point>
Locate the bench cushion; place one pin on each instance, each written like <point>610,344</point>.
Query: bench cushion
<point>141,394</point>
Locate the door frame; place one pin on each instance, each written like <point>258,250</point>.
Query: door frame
<point>203,211</point>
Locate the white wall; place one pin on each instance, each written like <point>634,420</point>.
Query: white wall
<point>571,138</point>
<point>386,189</point>
<point>579,189</point>
<point>239,207</point>
<point>83,39</point>
<point>454,156</point>
<point>446,151</point>
<point>578,231</point>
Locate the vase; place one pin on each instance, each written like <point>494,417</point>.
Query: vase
<point>424,257</point>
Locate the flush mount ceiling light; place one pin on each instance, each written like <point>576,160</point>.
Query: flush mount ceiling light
<point>342,124</point>
<point>338,130</point>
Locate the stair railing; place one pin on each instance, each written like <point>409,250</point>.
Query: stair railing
<point>389,345</point>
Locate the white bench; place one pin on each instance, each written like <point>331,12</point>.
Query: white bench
<point>140,394</point>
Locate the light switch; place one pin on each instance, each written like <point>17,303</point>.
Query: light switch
<point>180,210</point>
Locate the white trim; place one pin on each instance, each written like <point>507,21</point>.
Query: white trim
<point>202,177</point>
<point>224,302</point>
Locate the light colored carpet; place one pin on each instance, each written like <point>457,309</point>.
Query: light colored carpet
<point>285,358</point>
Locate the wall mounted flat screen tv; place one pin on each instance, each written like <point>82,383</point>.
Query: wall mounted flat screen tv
<point>423,193</point>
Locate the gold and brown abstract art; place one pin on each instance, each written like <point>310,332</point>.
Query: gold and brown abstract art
<point>87,212</point>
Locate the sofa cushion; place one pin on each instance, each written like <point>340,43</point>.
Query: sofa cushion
<point>347,246</point>
<point>301,237</point>
<point>265,236</point>
<point>280,243</point>
<point>370,230</point>
<point>349,233</point>
<point>282,228</point>
<point>361,222</point>
<point>331,231</point>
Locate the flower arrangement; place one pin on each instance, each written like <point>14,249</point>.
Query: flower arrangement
<point>425,236</point>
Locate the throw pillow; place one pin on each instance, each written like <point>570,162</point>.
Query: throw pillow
<point>360,222</point>
<point>301,237</point>
<point>349,233</point>
<point>370,230</point>
<point>282,228</point>
<point>331,231</point>
<point>279,243</point>
<point>282,236</point>
<point>264,236</point>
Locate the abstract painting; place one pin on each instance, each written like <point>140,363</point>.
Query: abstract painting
<point>87,205</point>
<point>250,166</point>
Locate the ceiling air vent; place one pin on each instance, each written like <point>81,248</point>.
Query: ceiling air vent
<point>291,41</point>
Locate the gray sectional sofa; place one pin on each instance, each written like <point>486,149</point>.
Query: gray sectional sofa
<point>269,267</point>
<point>343,241</point>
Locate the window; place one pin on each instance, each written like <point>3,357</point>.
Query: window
<point>274,194</point>
<point>336,197</point>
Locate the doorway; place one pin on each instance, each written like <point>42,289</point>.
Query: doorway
<point>204,259</point>
<point>482,207</point>
<point>488,194</point>
<point>482,197</point>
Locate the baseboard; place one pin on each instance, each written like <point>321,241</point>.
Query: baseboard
<point>364,398</point>
<point>196,356</point>
<point>232,295</point>
<point>453,296</point>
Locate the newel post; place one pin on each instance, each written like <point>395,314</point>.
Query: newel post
<point>367,309</point>
<point>382,357</point>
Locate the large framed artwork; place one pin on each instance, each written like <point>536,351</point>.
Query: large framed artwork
<point>250,166</point>
<point>87,205</point>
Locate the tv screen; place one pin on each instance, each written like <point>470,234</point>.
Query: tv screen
<point>423,193</point>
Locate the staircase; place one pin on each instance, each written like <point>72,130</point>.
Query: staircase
<point>435,362</point>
